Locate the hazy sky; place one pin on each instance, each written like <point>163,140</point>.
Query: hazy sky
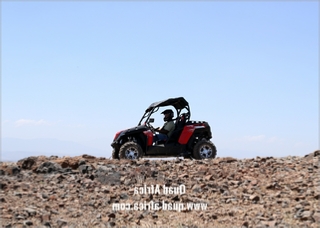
<point>80,71</point>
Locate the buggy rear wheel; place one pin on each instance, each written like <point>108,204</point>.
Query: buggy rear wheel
<point>130,150</point>
<point>204,149</point>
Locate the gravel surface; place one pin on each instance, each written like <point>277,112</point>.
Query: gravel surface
<point>87,191</point>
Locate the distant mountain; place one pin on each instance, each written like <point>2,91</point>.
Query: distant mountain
<point>13,149</point>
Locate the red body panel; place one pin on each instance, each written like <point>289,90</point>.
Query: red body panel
<point>117,134</point>
<point>149,135</point>
<point>186,134</point>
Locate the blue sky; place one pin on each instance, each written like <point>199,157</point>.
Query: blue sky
<point>80,71</point>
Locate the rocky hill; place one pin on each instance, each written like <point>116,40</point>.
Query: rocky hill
<point>86,191</point>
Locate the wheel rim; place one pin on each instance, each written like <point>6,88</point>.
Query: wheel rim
<point>205,151</point>
<point>131,153</point>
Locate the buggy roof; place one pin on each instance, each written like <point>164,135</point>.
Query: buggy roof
<point>178,103</point>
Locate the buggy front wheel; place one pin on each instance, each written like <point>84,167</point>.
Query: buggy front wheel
<point>130,150</point>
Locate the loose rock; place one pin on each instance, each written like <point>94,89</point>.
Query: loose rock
<point>86,191</point>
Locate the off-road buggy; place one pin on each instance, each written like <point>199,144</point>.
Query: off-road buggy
<point>190,139</point>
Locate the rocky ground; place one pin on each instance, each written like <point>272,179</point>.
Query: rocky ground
<point>86,191</point>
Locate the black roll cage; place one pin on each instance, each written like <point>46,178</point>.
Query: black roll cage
<point>178,103</point>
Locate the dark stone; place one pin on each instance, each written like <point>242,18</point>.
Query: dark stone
<point>66,170</point>
<point>3,186</point>
<point>111,224</point>
<point>123,196</point>
<point>31,212</point>
<point>28,223</point>
<point>47,224</point>
<point>111,179</point>
<point>61,222</point>
<point>28,162</point>
<point>245,224</point>
<point>88,156</point>
<point>15,170</point>
<point>48,167</point>
<point>44,196</point>
<point>85,169</point>
<point>82,162</point>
